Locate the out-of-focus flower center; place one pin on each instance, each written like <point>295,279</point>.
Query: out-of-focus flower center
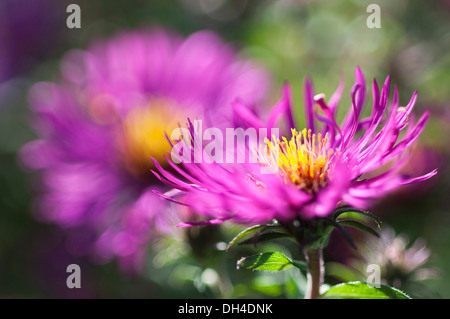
<point>144,130</point>
<point>303,160</point>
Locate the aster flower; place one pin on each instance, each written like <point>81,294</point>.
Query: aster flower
<point>101,123</point>
<point>320,171</point>
<point>317,168</point>
<point>400,261</point>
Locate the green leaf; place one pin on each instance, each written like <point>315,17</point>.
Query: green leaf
<point>268,285</point>
<point>348,211</point>
<point>343,231</point>
<point>295,284</point>
<point>265,261</point>
<point>358,225</point>
<point>320,240</point>
<point>257,231</point>
<point>264,237</point>
<point>361,290</point>
<point>244,233</point>
<point>299,264</point>
<point>342,272</point>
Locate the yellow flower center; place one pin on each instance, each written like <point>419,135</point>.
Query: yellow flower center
<point>303,160</point>
<point>144,130</point>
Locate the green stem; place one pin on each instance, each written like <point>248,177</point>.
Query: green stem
<point>314,261</point>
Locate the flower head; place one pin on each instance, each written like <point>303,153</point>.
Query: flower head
<point>399,260</point>
<point>101,124</point>
<point>316,169</point>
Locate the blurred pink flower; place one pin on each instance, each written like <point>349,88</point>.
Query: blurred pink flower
<point>399,260</point>
<point>101,123</point>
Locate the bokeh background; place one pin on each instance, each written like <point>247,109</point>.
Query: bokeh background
<point>325,40</point>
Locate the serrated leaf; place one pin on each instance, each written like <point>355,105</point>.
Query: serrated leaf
<point>358,225</point>
<point>265,261</point>
<point>361,290</point>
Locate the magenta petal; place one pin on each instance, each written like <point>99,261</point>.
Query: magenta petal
<point>336,97</point>
<point>282,108</point>
<point>362,91</point>
<point>308,100</point>
<point>203,223</point>
<point>420,178</point>
<point>168,198</point>
<point>286,92</point>
<point>246,115</point>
